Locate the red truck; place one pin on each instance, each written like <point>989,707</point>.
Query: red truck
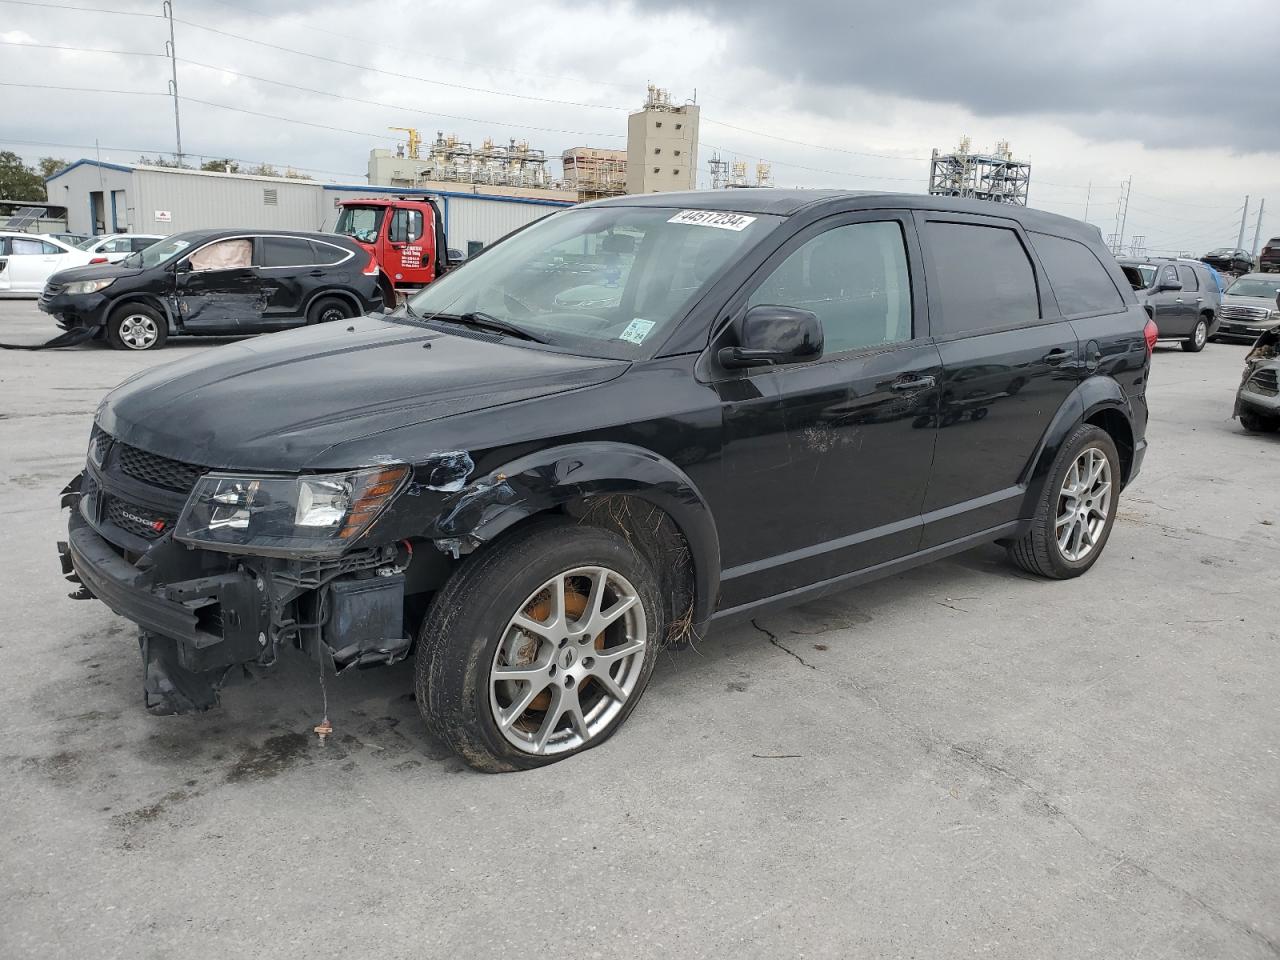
<point>404,234</point>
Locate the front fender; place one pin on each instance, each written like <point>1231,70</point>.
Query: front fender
<point>552,478</point>
<point>1092,395</point>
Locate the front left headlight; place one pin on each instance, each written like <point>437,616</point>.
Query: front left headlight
<point>89,286</point>
<point>315,515</point>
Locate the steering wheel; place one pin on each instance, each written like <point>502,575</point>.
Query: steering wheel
<point>527,309</point>
<point>577,320</point>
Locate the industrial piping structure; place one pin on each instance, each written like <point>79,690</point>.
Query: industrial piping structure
<point>996,177</point>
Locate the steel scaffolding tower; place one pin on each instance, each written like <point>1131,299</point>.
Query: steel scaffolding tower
<point>996,177</point>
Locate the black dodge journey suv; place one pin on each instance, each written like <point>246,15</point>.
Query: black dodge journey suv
<point>620,426</point>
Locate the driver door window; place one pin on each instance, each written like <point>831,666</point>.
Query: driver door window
<point>406,226</point>
<point>855,279</point>
<point>223,255</point>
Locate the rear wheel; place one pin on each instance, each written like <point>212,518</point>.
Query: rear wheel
<point>329,310</point>
<point>1075,514</point>
<point>136,326</point>
<point>1199,337</point>
<point>540,648</point>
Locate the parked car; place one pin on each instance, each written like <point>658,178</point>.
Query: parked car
<point>70,239</point>
<point>216,282</point>
<point>1229,260</point>
<point>1249,307</point>
<point>1269,258</point>
<point>1181,296</point>
<point>778,404</point>
<point>114,247</point>
<point>27,261</point>
<point>1258,397</point>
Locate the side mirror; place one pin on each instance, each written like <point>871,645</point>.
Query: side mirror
<point>769,335</point>
<point>182,266</point>
<point>1164,285</point>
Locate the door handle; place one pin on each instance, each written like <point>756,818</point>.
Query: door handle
<point>1056,356</point>
<point>914,383</point>
<point>1178,300</point>
<point>316,273</point>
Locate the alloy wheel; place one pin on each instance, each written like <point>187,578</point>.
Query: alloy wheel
<point>1084,504</point>
<point>568,661</point>
<point>1201,333</point>
<point>138,331</point>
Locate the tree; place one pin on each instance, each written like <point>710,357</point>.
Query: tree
<point>225,165</point>
<point>162,161</point>
<point>51,165</point>
<point>264,170</point>
<point>293,174</point>
<point>17,180</point>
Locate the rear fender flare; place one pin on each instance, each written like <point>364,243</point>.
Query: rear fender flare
<point>488,505</point>
<point>1092,395</point>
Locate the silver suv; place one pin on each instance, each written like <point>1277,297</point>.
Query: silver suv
<point>1249,307</point>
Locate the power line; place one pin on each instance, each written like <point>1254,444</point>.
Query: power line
<point>68,47</point>
<point>59,6</point>
<point>817,146</point>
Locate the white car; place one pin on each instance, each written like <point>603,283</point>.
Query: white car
<point>114,247</point>
<point>27,261</point>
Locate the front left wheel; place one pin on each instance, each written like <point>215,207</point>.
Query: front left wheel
<point>135,326</point>
<point>540,647</point>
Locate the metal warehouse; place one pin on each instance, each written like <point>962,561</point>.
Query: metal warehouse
<point>105,197</point>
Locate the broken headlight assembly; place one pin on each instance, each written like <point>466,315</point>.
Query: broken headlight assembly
<point>317,515</point>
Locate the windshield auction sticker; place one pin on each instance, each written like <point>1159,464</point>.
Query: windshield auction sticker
<point>636,331</point>
<point>713,218</point>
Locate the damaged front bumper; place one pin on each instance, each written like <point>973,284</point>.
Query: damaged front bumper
<point>204,615</point>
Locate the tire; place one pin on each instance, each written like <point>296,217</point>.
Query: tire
<point>329,310</point>
<point>1199,337</point>
<point>1257,423</point>
<point>1039,551</point>
<point>136,326</point>
<point>469,635</point>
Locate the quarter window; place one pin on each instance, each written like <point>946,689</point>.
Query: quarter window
<point>854,278</point>
<point>327,254</point>
<point>983,278</point>
<point>286,252</point>
<point>1079,280</point>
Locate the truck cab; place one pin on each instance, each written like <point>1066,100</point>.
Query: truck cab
<point>405,236</point>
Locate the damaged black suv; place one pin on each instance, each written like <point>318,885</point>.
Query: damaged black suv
<point>622,424</point>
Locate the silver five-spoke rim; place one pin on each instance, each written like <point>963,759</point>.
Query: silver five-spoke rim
<point>1202,333</point>
<point>1084,505</point>
<point>138,331</point>
<point>568,661</point>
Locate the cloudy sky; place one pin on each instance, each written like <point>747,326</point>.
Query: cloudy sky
<point>1179,95</point>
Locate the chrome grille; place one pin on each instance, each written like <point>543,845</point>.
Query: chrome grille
<point>1249,314</point>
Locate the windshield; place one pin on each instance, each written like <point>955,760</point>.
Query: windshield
<point>1220,252</point>
<point>86,243</point>
<point>159,252</point>
<point>1246,287</point>
<point>361,223</point>
<point>604,281</point>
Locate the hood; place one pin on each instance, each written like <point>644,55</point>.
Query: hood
<point>1262,303</point>
<point>284,401</point>
<point>96,271</point>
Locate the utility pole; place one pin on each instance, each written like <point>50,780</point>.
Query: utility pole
<point>1257,226</point>
<point>172,53</point>
<point>1244,215</point>
<point>1122,213</point>
<point>1087,195</point>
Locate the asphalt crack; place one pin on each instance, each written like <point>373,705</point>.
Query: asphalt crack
<point>774,640</point>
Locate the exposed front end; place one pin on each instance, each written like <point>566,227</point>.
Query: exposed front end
<point>220,571</point>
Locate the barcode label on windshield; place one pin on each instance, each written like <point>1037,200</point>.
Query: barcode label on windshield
<point>714,218</point>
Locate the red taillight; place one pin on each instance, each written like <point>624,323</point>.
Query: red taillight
<point>98,260</point>
<point>371,268</point>
<point>1151,333</point>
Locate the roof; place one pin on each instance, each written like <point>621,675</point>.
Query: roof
<point>785,203</point>
<point>120,167</point>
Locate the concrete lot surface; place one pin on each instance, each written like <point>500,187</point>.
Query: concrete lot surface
<point>960,761</point>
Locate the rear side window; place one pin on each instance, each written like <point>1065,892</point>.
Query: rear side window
<point>1188,277</point>
<point>22,247</point>
<point>983,278</point>
<point>1079,280</point>
<point>326,253</point>
<point>286,252</point>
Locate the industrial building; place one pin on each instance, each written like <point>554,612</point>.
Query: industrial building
<point>593,172</point>
<point>662,145</point>
<point>450,163</point>
<point>123,198</point>
<point>996,176</point>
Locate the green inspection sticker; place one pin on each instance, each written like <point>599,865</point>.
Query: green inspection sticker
<point>636,331</point>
